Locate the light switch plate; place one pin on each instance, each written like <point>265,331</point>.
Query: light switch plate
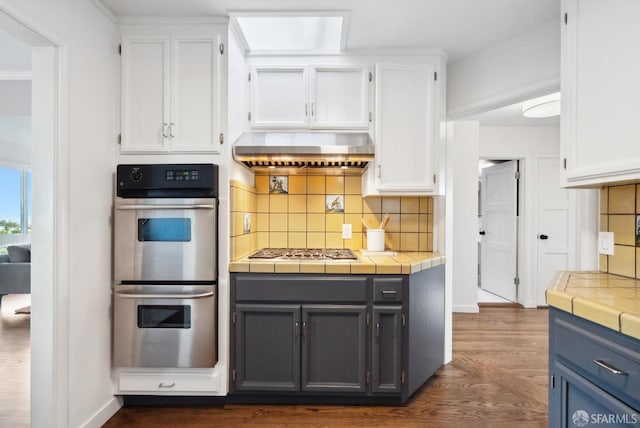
<point>247,223</point>
<point>346,231</point>
<point>605,243</point>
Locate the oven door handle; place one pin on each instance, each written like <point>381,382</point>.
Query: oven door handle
<point>164,296</point>
<point>166,207</point>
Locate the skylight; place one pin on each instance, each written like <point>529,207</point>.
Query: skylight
<point>291,33</point>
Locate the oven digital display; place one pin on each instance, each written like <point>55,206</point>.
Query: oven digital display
<point>164,229</point>
<point>164,316</point>
<point>182,175</point>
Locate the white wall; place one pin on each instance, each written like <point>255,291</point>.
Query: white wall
<point>462,215</point>
<point>16,54</point>
<point>81,191</point>
<point>517,69</point>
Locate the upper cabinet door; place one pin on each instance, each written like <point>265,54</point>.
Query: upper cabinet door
<point>340,97</point>
<point>145,94</point>
<point>405,132</point>
<point>196,115</point>
<point>600,87</point>
<point>279,97</point>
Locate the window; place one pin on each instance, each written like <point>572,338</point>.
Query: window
<point>15,207</point>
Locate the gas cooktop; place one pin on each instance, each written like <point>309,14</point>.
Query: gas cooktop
<point>304,254</point>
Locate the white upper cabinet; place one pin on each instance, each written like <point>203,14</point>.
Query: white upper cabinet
<point>279,97</point>
<point>600,136</point>
<point>316,97</point>
<point>172,93</point>
<point>406,131</point>
<point>339,97</point>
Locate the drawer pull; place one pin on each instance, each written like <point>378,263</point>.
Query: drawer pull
<point>609,368</point>
<point>162,385</point>
<point>389,293</point>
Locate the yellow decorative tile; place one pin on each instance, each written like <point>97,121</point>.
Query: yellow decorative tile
<point>355,220</point>
<point>252,203</point>
<point>422,241</point>
<point>315,240</point>
<point>262,267</point>
<point>409,242</point>
<point>278,223</point>
<point>232,249</point>
<point>424,204</point>
<point>623,228</point>
<point>395,223</point>
<point>238,267</point>
<point>637,262</point>
<point>355,243</point>
<point>334,222</point>
<point>262,222</point>
<point>603,265</point>
<point>263,239</point>
<point>423,223</point>
<point>312,268</point>
<point>278,240</point>
<point>353,204</point>
<point>630,324</point>
<point>278,203</point>
<point>335,185</point>
<point>623,262</point>
<point>353,185</point>
<point>234,199</point>
<point>253,242</point>
<point>560,300</point>
<point>391,205</point>
<point>297,222</point>
<point>637,199</point>
<point>386,265</point>
<point>430,203</point>
<point>297,185</point>
<point>365,266</point>
<point>315,185</point>
<point>287,267</point>
<point>429,242</point>
<point>409,223</point>
<point>372,219</point>
<point>316,222</point>
<point>598,313</point>
<point>622,199</point>
<point>297,240</point>
<point>262,184</point>
<point>604,200</point>
<point>333,240</point>
<point>297,203</point>
<point>337,268</point>
<point>372,205</point>
<point>392,241</point>
<point>604,223</point>
<point>263,203</point>
<point>316,203</point>
<point>409,205</point>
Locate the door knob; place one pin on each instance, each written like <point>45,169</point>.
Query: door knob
<point>543,237</point>
<point>482,232</point>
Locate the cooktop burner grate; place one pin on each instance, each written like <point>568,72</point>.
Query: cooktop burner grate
<point>304,254</point>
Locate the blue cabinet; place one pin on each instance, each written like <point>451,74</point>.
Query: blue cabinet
<point>594,374</point>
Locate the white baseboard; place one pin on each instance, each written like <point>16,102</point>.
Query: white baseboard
<point>102,416</point>
<point>472,309</point>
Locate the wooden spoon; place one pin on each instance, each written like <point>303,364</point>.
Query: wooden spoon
<point>385,221</point>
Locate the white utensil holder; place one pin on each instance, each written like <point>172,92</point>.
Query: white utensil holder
<point>375,239</point>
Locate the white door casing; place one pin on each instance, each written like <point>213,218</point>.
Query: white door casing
<point>499,242</point>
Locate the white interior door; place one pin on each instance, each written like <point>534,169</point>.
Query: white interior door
<point>498,247</point>
<point>555,234</point>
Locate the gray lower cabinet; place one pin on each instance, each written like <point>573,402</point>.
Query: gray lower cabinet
<point>594,374</point>
<point>375,336</point>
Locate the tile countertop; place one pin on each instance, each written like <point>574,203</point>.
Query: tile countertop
<point>609,300</point>
<point>402,263</point>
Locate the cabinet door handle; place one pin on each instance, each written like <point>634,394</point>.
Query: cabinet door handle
<point>304,329</point>
<point>165,127</point>
<point>609,368</point>
<point>296,329</point>
<point>162,385</point>
<point>313,109</point>
<point>171,130</point>
<point>306,106</point>
<point>379,170</point>
<point>378,329</point>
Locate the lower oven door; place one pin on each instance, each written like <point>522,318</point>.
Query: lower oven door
<point>164,326</point>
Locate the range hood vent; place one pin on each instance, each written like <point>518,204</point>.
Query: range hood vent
<point>261,150</point>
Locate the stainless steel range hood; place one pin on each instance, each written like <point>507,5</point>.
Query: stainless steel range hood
<point>258,150</point>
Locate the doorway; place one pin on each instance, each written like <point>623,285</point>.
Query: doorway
<point>36,370</point>
<point>498,222</point>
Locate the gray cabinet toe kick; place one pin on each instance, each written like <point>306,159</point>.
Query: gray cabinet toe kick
<point>372,338</point>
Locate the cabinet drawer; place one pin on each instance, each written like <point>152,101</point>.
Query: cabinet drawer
<point>387,290</point>
<point>168,382</point>
<point>598,358</point>
<point>300,288</point>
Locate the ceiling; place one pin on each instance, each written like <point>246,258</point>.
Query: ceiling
<point>459,27</point>
<point>511,116</point>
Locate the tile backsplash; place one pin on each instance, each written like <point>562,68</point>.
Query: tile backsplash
<point>619,210</point>
<point>308,211</point>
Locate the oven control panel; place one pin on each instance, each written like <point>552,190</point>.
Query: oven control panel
<point>167,181</point>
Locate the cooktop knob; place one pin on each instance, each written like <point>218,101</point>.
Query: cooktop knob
<point>135,175</point>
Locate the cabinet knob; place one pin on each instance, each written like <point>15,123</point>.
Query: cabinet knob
<point>543,237</point>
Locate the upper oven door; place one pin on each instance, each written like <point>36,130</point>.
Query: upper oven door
<point>165,240</point>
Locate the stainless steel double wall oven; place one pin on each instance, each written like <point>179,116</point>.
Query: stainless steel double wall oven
<point>165,265</point>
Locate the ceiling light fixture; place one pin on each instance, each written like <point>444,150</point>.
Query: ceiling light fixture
<point>546,106</point>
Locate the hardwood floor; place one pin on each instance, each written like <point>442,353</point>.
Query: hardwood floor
<point>498,378</point>
<point>15,361</point>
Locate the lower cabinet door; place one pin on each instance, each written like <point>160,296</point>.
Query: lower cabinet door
<point>267,347</point>
<point>334,348</point>
<point>582,403</point>
<point>387,349</point>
